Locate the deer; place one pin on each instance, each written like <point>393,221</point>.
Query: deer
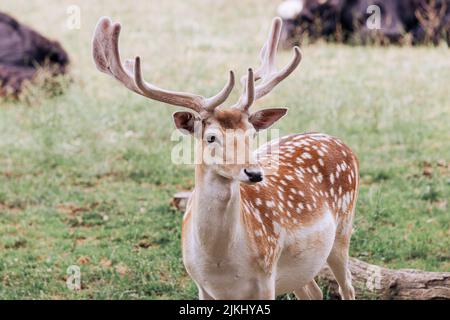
<point>247,234</point>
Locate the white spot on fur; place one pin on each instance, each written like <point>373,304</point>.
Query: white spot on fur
<point>280,195</point>
<point>319,177</point>
<point>306,155</point>
<point>270,204</point>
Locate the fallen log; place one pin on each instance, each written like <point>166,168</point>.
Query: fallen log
<point>180,199</point>
<point>372,281</point>
<point>375,282</point>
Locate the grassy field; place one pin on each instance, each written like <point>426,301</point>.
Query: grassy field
<point>86,177</point>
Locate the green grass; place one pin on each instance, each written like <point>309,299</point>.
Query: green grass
<point>85,177</point>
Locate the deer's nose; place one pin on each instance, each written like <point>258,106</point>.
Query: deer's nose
<point>254,175</point>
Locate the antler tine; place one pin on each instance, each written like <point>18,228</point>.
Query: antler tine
<point>220,98</point>
<point>262,56</point>
<point>272,42</point>
<point>268,51</point>
<point>248,95</point>
<point>107,59</point>
<point>250,90</point>
<point>267,71</point>
<point>106,52</point>
<point>269,81</point>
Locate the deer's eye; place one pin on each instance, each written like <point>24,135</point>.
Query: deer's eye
<point>211,138</point>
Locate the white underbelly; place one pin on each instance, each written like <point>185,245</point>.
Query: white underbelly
<point>305,253</point>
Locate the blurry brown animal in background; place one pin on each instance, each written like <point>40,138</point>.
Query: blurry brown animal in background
<point>425,21</point>
<point>22,52</point>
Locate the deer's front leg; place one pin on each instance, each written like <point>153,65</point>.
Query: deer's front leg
<point>266,294</point>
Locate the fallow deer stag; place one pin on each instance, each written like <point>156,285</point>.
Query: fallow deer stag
<point>246,234</point>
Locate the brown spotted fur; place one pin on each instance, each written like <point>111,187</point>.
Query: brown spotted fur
<point>315,170</point>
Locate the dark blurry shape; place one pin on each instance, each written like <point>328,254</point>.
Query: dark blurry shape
<point>350,21</point>
<point>22,52</point>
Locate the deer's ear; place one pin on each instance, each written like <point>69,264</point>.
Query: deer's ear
<point>263,119</point>
<point>184,121</point>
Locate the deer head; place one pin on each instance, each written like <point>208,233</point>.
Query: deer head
<point>223,132</point>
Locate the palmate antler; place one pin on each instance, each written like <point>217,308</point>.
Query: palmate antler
<point>267,72</point>
<point>107,59</point>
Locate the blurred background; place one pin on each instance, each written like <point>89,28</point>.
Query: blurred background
<point>85,171</point>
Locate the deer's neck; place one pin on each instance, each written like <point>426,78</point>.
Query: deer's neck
<point>216,211</point>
